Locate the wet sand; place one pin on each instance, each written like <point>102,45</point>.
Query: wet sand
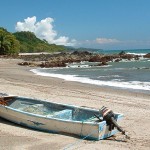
<point>18,80</point>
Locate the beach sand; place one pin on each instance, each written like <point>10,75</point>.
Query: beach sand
<point>18,80</point>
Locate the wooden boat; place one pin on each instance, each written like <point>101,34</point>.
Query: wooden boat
<point>55,117</point>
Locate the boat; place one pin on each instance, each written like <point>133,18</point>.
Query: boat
<point>56,117</point>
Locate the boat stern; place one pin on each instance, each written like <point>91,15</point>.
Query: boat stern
<point>104,130</point>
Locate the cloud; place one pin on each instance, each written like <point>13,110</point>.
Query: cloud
<point>106,41</point>
<point>44,30</point>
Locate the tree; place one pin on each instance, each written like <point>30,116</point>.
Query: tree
<point>8,43</point>
<point>30,43</point>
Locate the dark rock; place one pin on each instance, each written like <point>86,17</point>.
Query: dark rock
<point>52,64</point>
<point>122,53</point>
<point>31,64</point>
<point>24,63</point>
<point>103,64</point>
<point>96,58</point>
<point>127,56</point>
<point>61,59</point>
<point>147,55</point>
<point>107,58</point>
<point>136,57</point>
<point>81,53</point>
<point>117,60</point>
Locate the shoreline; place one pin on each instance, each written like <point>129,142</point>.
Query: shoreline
<point>132,91</point>
<point>113,89</point>
<point>19,80</point>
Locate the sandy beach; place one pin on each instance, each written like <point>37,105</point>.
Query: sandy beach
<point>19,80</point>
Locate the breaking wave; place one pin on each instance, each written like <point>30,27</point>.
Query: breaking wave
<point>119,83</point>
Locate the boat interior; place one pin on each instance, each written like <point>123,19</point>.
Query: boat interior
<point>50,109</point>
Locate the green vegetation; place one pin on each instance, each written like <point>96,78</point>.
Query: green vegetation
<point>25,41</point>
<point>30,43</point>
<point>8,43</point>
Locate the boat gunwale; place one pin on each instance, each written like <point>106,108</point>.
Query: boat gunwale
<point>50,117</point>
<point>58,119</point>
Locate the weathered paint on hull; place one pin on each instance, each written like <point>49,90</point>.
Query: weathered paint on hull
<point>90,130</point>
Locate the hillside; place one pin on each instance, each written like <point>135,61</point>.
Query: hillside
<point>30,43</point>
<point>27,42</point>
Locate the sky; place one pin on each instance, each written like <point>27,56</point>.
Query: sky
<point>101,24</point>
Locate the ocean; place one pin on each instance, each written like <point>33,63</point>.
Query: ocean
<point>131,75</point>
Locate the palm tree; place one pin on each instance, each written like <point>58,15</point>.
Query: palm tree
<point>8,43</point>
<point>4,43</point>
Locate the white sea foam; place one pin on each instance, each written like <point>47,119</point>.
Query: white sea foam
<point>108,76</point>
<point>61,76</point>
<point>78,66</point>
<point>133,60</point>
<point>114,83</point>
<point>140,54</point>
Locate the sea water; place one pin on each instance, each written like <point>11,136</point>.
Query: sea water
<point>131,75</point>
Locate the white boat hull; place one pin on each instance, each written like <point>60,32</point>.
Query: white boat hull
<point>87,129</point>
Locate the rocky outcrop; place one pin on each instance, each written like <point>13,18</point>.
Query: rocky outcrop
<point>123,55</point>
<point>57,59</point>
<point>52,64</point>
<point>104,63</point>
<point>95,58</point>
<point>62,59</point>
<point>147,55</point>
<point>118,60</point>
<point>25,63</point>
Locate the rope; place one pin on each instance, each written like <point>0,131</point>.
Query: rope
<point>83,122</point>
<point>81,128</point>
<point>79,141</point>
